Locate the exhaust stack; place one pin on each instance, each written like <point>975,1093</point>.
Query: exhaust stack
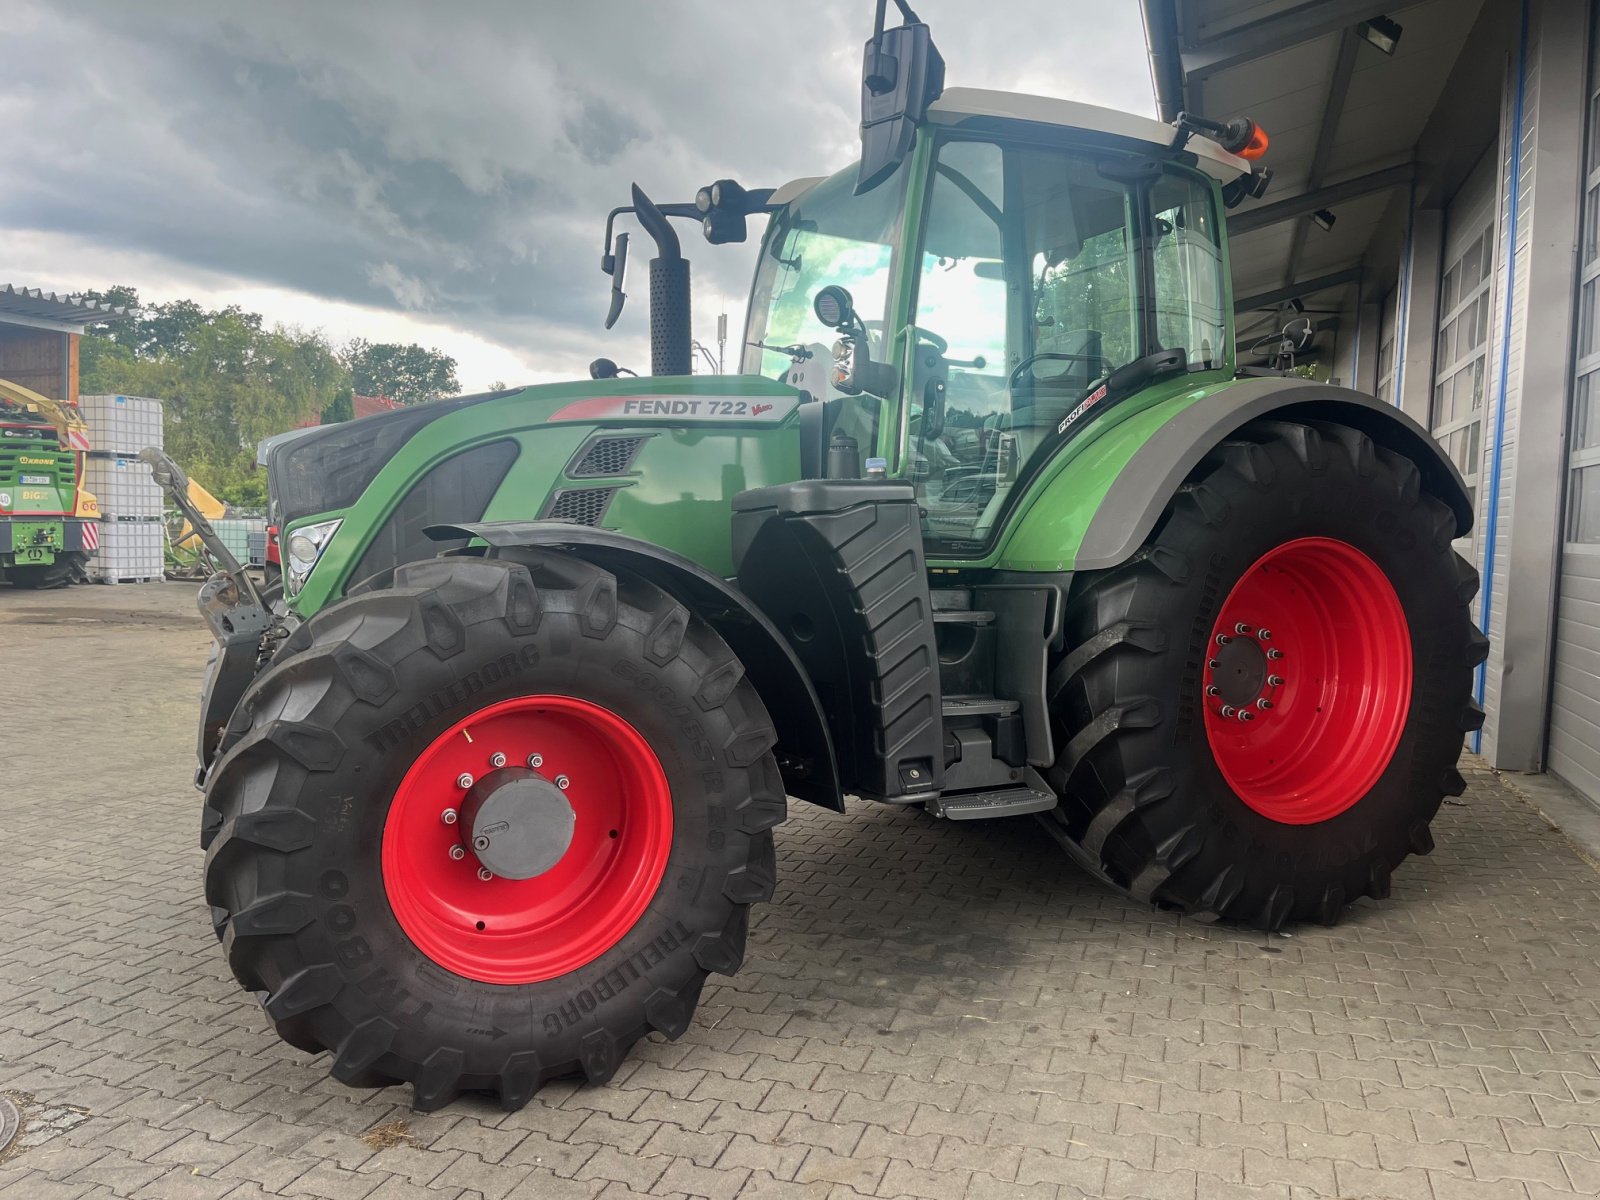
<point>671,352</point>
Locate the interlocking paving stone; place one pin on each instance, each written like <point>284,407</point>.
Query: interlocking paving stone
<point>926,1010</point>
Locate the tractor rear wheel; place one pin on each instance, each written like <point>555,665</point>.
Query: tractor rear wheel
<point>491,825</point>
<point>70,567</point>
<point>1260,713</point>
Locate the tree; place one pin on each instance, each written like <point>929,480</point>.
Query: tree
<point>227,382</point>
<point>407,374</point>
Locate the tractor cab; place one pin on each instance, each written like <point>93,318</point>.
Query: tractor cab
<point>1029,265</point>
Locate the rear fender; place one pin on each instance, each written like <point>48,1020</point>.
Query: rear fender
<point>805,746</point>
<point>1139,494</point>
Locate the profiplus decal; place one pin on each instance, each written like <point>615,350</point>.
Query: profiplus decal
<point>1093,398</point>
<point>674,409</point>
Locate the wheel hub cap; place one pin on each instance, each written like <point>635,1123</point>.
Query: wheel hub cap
<point>517,823</point>
<point>1241,671</point>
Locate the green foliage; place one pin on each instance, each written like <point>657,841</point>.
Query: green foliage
<point>342,408</point>
<point>226,380</point>
<point>408,374</point>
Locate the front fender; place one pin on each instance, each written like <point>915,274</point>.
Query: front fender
<point>805,746</point>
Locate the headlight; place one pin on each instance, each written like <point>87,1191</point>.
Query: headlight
<point>306,545</point>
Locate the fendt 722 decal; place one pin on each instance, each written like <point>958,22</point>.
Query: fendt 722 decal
<point>676,409</point>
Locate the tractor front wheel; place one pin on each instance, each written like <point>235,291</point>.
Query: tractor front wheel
<point>1259,715</point>
<point>491,825</point>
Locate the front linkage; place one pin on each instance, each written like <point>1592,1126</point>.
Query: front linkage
<point>242,620</point>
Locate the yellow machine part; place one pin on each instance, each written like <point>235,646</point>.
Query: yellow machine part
<point>210,507</point>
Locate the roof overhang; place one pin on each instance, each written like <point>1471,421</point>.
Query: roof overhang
<point>35,309</point>
<point>1345,120</point>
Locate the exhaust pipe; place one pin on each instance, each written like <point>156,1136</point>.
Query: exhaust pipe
<point>671,350</point>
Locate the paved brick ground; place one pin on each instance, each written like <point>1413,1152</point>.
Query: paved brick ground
<point>926,1011</point>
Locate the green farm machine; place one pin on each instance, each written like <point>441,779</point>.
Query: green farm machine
<point>991,523</point>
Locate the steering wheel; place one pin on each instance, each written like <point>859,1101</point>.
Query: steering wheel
<point>1055,356</point>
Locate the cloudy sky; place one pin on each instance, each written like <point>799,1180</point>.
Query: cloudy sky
<point>439,172</point>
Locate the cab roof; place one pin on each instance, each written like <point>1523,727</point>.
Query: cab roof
<point>957,105</point>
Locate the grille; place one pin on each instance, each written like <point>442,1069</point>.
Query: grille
<point>607,456</point>
<point>581,506</point>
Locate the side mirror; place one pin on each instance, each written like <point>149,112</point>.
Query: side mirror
<point>902,72</point>
<point>615,265</point>
<point>835,308</point>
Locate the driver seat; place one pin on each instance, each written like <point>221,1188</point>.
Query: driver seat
<point>1044,401</point>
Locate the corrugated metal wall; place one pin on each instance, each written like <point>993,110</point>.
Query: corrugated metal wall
<point>1508,329</point>
<point>1574,749</point>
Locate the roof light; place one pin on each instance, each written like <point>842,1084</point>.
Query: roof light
<point>1323,220</point>
<point>1382,33</point>
<point>1255,145</point>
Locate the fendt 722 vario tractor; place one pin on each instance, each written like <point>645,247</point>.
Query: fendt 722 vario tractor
<point>990,523</point>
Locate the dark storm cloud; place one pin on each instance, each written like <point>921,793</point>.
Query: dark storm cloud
<point>455,160</point>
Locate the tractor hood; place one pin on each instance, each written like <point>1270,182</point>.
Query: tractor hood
<point>327,469</point>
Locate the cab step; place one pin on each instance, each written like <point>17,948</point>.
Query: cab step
<point>981,806</point>
<point>962,616</point>
<point>977,706</point>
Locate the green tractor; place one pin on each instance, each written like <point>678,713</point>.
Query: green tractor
<point>991,524</point>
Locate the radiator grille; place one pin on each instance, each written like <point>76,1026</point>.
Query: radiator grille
<point>580,506</point>
<point>607,456</point>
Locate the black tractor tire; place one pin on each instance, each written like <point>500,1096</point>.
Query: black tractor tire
<point>296,806</point>
<point>68,568</point>
<point>1144,803</point>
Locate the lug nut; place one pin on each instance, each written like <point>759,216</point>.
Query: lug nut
<point>463,780</point>
<point>1242,628</point>
<point>1223,639</point>
<point>480,843</point>
<point>497,760</point>
<point>1274,680</point>
<point>1246,715</point>
<point>1213,690</point>
<point>1263,704</point>
<point>485,874</point>
<point>1264,634</point>
<point>448,816</point>
<point>562,781</point>
<point>1229,711</point>
<point>1214,664</point>
<point>457,853</point>
<point>536,761</point>
<point>1274,653</point>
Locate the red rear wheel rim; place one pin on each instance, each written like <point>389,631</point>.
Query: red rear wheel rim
<point>511,931</point>
<point>1307,682</point>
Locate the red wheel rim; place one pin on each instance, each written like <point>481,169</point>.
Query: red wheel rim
<point>503,930</point>
<point>1307,682</point>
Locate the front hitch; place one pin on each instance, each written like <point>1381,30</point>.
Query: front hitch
<point>231,605</point>
<point>214,597</point>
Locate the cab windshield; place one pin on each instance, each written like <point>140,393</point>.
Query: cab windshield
<point>827,236</point>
